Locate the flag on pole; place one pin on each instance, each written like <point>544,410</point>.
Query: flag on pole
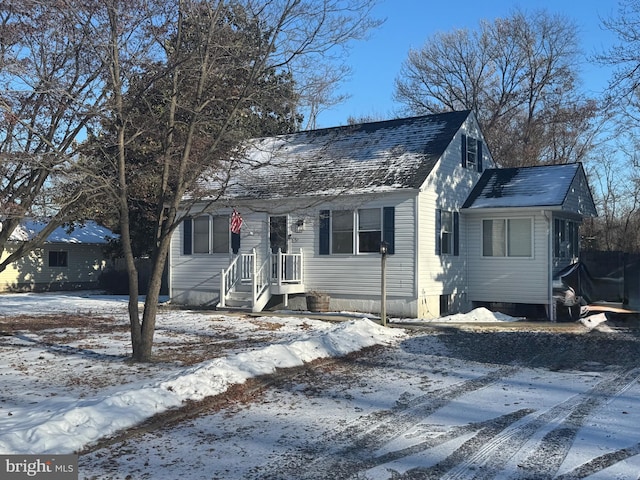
<point>236,222</point>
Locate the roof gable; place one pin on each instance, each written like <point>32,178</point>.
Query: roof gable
<point>366,158</point>
<point>540,186</point>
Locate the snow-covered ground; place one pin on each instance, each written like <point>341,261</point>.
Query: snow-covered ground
<point>411,407</point>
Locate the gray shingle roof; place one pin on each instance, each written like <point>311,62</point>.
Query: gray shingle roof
<point>546,185</point>
<point>370,157</point>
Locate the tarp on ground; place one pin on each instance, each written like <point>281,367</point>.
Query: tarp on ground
<point>601,277</point>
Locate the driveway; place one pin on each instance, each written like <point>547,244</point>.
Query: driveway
<point>464,402</point>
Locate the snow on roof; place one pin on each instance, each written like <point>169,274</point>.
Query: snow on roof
<point>546,185</point>
<point>89,233</point>
<point>365,158</point>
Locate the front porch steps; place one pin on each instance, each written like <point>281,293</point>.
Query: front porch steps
<point>247,285</point>
<point>240,298</point>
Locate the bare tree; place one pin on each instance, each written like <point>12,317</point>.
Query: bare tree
<point>617,169</point>
<point>49,94</point>
<point>188,81</point>
<point>519,75</point>
<point>618,200</point>
<point>164,92</point>
<point>624,57</point>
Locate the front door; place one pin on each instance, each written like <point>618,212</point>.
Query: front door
<point>278,234</point>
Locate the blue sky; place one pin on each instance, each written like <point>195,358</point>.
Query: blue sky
<point>376,62</point>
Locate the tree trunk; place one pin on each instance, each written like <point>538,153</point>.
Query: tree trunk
<point>148,327</point>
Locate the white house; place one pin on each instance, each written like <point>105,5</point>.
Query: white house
<point>70,259</point>
<point>317,205</point>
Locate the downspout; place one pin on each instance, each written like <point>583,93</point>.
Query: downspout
<point>551,304</point>
<point>169,266</point>
<point>416,249</point>
<point>468,305</point>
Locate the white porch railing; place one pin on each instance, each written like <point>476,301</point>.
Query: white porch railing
<point>260,285</point>
<point>228,280</point>
<point>286,267</point>
<point>247,266</point>
<point>280,273</point>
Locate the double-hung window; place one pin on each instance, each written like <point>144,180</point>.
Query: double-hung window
<point>472,152</point>
<point>220,234</point>
<point>447,232</point>
<point>201,234</point>
<point>342,231</point>
<point>511,237</point>
<point>369,230</point>
<point>356,231</point>
<point>206,234</point>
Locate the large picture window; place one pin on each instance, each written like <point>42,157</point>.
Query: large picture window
<point>510,237</point>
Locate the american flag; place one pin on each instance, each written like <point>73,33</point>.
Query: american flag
<point>236,222</point>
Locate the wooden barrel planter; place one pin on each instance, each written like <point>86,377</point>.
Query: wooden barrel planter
<point>318,302</point>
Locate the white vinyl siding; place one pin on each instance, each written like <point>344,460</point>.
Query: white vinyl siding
<point>356,274</point>
<point>515,279</point>
<point>415,274</point>
<point>446,188</point>
<point>196,279</point>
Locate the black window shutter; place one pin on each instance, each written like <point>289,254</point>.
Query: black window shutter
<point>456,233</point>
<point>464,151</point>
<point>389,229</point>
<point>479,161</point>
<point>187,235</point>
<point>438,231</point>
<point>325,216</point>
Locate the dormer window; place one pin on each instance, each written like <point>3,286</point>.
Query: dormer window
<point>472,153</point>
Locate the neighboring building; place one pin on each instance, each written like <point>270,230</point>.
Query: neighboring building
<point>426,186</point>
<point>69,260</point>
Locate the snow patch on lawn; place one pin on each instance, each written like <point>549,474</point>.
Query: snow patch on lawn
<point>67,425</point>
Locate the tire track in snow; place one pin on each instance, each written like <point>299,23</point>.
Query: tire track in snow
<point>600,463</point>
<point>486,454</point>
<point>351,450</point>
<point>546,459</point>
